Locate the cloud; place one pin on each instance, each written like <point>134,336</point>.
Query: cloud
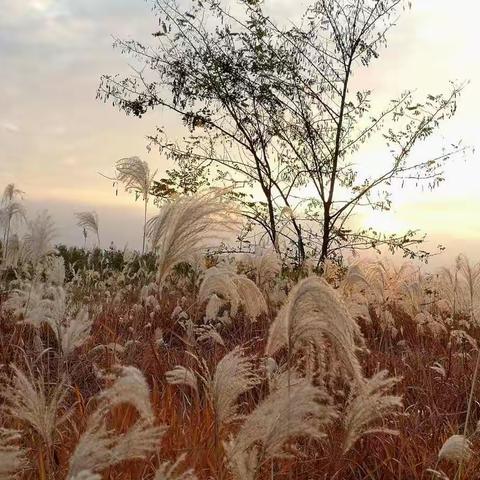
<point>10,127</point>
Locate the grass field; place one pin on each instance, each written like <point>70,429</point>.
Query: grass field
<point>181,365</point>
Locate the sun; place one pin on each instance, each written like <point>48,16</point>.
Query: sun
<point>41,5</point>
<point>384,222</point>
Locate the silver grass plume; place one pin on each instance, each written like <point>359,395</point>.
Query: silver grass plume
<point>234,375</point>
<point>12,456</point>
<point>10,211</point>
<point>252,298</point>
<point>237,289</point>
<point>85,475</point>
<point>456,448</point>
<point>40,304</point>
<point>76,332</point>
<point>314,314</point>
<point>300,410</point>
<point>167,471</point>
<point>89,221</point>
<point>28,401</point>
<point>438,474</point>
<point>14,251</point>
<point>130,387</point>
<point>38,239</point>
<point>9,193</point>
<point>265,263</point>
<point>13,212</point>
<point>182,376</point>
<point>218,284</point>
<point>471,276</point>
<point>99,447</point>
<point>55,270</point>
<point>452,289</point>
<point>28,303</point>
<point>208,332</point>
<point>184,227</point>
<point>386,282</point>
<point>213,307</point>
<point>354,277</point>
<point>368,406</point>
<point>37,304</point>
<point>135,174</point>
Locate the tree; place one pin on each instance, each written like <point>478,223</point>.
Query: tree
<point>272,106</point>
<point>188,177</point>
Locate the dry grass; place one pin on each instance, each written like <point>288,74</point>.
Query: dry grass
<point>106,375</point>
<point>434,404</point>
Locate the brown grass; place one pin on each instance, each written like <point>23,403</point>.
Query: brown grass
<point>434,407</point>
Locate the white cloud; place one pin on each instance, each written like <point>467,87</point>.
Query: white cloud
<point>10,127</point>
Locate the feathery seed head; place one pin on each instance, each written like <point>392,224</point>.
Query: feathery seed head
<point>29,401</point>
<point>314,314</point>
<point>12,456</point>
<point>367,406</point>
<point>182,376</point>
<point>297,410</point>
<point>38,239</point>
<point>234,375</point>
<point>456,448</point>
<point>135,174</point>
<point>184,227</point>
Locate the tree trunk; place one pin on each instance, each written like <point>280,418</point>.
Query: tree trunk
<point>326,235</point>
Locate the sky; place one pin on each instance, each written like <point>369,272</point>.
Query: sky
<point>55,137</point>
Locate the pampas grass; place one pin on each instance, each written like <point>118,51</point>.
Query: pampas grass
<point>89,222</point>
<point>182,376</point>
<point>234,375</point>
<point>456,448</point>
<point>168,471</point>
<point>185,226</point>
<point>136,177</point>
<point>12,456</point>
<point>314,314</point>
<point>100,447</point>
<point>29,401</point>
<point>266,265</point>
<point>10,211</point>
<point>368,407</point>
<point>76,333</point>
<point>85,475</point>
<point>37,242</point>
<point>300,410</point>
<point>234,288</point>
